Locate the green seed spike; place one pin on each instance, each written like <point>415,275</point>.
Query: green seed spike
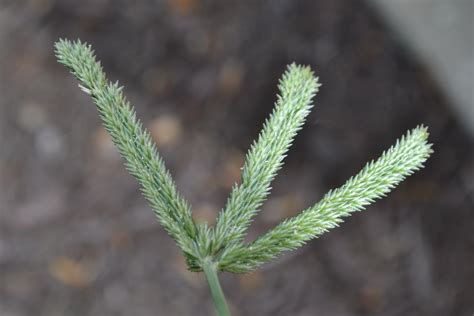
<point>221,248</point>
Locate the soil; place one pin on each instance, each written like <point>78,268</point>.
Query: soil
<point>76,236</point>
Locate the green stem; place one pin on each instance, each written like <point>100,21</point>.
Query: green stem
<point>218,297</point>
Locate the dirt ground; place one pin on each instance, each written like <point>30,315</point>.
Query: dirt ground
<point>76,236</point>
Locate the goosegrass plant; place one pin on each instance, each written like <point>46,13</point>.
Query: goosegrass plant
<point>222,247</point>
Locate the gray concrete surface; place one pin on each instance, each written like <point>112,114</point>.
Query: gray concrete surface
<point>441,33</point>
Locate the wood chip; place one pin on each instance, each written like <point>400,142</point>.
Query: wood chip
<point>71,272</point>
<point>166,130</point>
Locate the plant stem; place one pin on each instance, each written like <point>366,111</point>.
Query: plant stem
<point>218,297</point>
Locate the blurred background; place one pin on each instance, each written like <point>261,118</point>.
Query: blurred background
<point>76,236</point>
